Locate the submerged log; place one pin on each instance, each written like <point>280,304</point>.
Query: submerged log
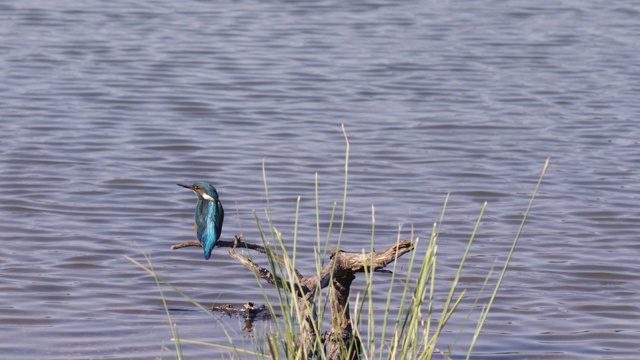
<point>247,311</point>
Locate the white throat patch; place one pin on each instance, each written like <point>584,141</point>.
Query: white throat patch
<point>208,197</point>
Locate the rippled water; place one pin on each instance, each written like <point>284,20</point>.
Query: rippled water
<point>106,105</point>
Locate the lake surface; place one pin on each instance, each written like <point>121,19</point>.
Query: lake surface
<point>106,105</point>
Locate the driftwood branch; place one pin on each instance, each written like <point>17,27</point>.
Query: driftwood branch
<point>236,242</point>
<point>338,274</point>
<point>264,273</point>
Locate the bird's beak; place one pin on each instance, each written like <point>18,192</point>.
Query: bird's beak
<point>185,186</point>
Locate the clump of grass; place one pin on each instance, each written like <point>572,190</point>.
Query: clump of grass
<point>413,332</point>
<point>417,327</point>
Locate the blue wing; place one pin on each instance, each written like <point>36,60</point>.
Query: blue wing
<point>200,223</point>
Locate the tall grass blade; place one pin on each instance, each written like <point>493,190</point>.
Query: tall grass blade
<point>346,185</point>
<point>506,263</point>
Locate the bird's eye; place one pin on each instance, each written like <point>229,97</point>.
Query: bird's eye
<point>195,187</point>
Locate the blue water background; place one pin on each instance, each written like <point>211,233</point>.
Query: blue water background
<point>106,105</point>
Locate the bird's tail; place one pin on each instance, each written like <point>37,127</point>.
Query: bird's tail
<point>208,247</point>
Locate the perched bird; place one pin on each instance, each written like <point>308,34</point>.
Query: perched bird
<point>209,215</point>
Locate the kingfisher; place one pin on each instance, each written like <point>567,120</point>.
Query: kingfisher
<point>209,215</point>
